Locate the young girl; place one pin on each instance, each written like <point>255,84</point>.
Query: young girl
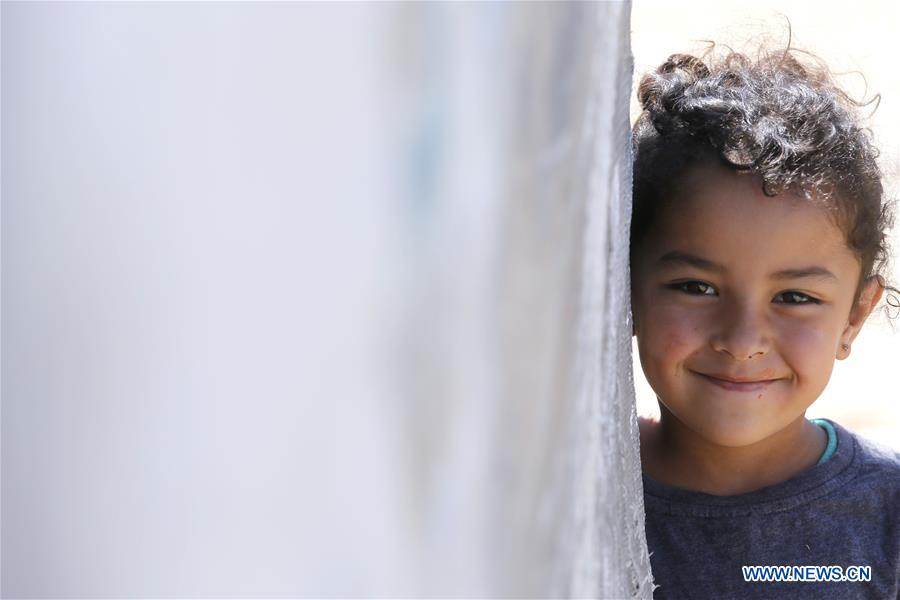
<point>758,250</point>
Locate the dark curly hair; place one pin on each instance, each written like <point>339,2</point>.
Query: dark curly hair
<point>778,117</point>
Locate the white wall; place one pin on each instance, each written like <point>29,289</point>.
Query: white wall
<point>317,300</point>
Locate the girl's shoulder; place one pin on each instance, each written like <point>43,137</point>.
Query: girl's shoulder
<point>875,455</point>
<point>870,451</point>
<point>879,466</point>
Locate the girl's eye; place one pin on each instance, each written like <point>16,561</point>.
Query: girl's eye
<point>796,298</point>
<point>694,288</point>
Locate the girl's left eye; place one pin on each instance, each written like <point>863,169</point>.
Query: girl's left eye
<point>797,298</point>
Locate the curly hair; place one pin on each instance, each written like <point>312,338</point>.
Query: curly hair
<point>777,117</point>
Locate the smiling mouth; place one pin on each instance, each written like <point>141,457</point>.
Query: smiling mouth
<point>738,386</point>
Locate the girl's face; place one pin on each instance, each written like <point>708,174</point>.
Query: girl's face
<point>741,303</point>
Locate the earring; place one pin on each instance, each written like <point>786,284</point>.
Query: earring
<point>845,347</point>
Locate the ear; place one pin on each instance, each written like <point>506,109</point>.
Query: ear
<point>868,300</point>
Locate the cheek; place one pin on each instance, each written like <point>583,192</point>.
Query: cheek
<point>671,336</point>
<point>809,348</point>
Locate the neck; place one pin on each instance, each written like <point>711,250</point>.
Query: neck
<point>673,454</point>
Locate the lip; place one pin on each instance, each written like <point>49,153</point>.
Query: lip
<point>738,385</point>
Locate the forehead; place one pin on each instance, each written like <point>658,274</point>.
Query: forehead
<point>726,216</point>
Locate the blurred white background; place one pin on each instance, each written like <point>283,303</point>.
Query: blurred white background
<point>864,391</point>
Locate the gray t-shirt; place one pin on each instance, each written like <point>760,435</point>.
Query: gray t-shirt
<point>842,513</point>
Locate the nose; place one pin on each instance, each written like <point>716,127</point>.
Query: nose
<point>741,333</point>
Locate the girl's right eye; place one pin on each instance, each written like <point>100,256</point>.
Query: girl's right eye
<point>694,288</point>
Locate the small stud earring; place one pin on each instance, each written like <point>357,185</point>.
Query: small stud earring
<point>845,347</point>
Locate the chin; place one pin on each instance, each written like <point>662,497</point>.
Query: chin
<point>732,436</point>
<point>737,441</point>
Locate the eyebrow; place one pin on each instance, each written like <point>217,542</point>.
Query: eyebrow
<point>676,257</point>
